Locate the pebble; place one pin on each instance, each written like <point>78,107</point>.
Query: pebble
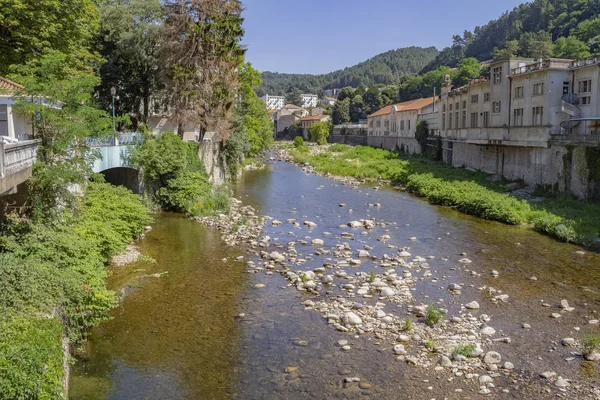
<point>492,357</point>
<point>555,315</point>
<point>485,379</point>
<point>508,365</point>
<point>561,382</point>
<point>342,342</point>
<point>346,348</point>
<point>259,286</point>
<point>548,374</point>
<point>351,318</point>
<point>568,342</point>
<point>472,305</point>
<point>488,330</point>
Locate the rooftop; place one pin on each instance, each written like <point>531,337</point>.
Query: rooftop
<point>315,117</point>
<point>412,105</point>
<point>9,87</point>
<point>292,107</point>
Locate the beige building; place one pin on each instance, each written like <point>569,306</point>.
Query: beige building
<point>307,122</point>
<point>393,127</point>
<point>529,120</point>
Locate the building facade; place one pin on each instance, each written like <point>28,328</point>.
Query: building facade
<point>273,102</point>
<point>309,100</point>
<point>394,127</point>
<point>12,125</point>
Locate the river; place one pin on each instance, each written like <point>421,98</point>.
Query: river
<point>204,331</point>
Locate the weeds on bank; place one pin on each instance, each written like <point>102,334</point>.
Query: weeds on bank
<point>433,315</point>
<point>464,350</point>
<point>590,344</point>
<point>408,324</point>
<point>562,217</point>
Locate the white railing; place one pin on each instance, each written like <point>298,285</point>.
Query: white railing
<point>15,157</point>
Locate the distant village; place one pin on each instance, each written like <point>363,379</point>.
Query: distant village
<point>529,120</point>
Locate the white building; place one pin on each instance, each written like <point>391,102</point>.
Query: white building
<point>12,126</point>
<point>273,102</point>
<point>309,100</point>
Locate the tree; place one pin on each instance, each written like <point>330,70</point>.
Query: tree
<point>570,47</point>
<point>319,132</point>
<point>357,109</point>
<point>536,45</point>
<point>250,114</point>
<point>294,97</point>
<point>129,40</point>
<point>346,93</point>
<point>510,49</point>
<point>373,100</point>
<point>469,68</point>
<point>64,120</point>
<point>200,61</point>
<point>341,112</point>
<point>30,28</point>
<point>589,32</point>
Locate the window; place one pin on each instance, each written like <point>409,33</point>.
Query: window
<point>518,117</point>
<point>538,89</point>
<point>3,120</point>
<point>464,119</point>
<point>474,98</point>
<point>486,119</point>
<point>585,100</point>
<point>456,106</point>
<point>451,107</point>
<point>444,118</point>
<point>456,120</point>
<point>386,123</point>
<point>408,123</point>
<point>394,125</point>
<point>444,108</point>
<point>585,86</point>
<point>474,120</point>
<point>519,92</point>
<point>538,114</point>
<point>450,120</point>
<point>464,104</point>
<point>497,75</point>
<point>370,123</point>
<point>496,107</point>
<point>379,123</point>
<point>486,97</point>
<point>402,125</point>
<point>566,87</point>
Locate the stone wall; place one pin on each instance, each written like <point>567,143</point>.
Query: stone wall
<point>408,145</point>
<point>559,168</point>
<point>216,167</point>
<point>354,140</point>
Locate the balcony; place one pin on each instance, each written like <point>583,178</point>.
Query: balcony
<point>541,65</point>
<point>16,163</point>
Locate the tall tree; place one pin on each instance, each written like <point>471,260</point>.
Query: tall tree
<point>29,28</point>
<point>536,45</point>
<point>469,68</point>
<point>129,40</point>
<point>341,112</point>
<point>373,100</point>
<point>357,109</point>
<point>201,57</point>
<point>570,47</point>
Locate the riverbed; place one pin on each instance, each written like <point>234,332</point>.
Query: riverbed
<point>204,330</point>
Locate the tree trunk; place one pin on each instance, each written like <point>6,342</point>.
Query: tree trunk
<point>180,130</point>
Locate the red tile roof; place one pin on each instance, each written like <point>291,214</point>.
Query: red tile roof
<point>9,87</point>
<point>315,117</point>
<point>411,105</point>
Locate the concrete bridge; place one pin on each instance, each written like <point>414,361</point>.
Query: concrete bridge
<point>113,160</point>
<point>16,164</point>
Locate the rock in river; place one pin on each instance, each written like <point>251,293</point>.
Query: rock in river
<point>472,305</point>
<point>351,318</point>
<point>492,357</point>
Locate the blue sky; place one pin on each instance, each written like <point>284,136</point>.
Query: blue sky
<point>320,36</point>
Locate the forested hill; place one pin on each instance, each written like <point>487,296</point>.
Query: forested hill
<point>530,28</point>
<point>386,68</point>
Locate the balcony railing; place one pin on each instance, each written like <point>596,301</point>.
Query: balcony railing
<point>121,139</point>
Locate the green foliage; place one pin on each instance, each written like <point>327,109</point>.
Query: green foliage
<point>338,147</point>
<point>469,68</point>
<point>341,112</point>
<point>298,141</point>
<point>590,343</point>
<point>372,276</point>
<point>129,40</point>
<point>464,350</point>
<point>358,108</point>
<point>509,50</point>
<point>319,132</point>
<point>31,358</point>
<point>421,134</point>
<point>408,324</point>
<point>535,45</point>
<point>191,192</point>
<point>33,27</point>
<point>470,192</point>
<point>433,315</point>
<point>386,68</point>
<point>429,344</point>
<point>570,47</point>
<point>63,156</point>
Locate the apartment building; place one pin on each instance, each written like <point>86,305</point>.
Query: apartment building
<point>521,121</point>
<point>393,127</point>
<point>273,102</point>
<point>309,100</point>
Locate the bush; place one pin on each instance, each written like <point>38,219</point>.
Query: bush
<point>319,132</point>
<point>31,358</point>
<point>298,141</point>
<point>338,148</point>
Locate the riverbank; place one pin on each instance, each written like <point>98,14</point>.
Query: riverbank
<point>53,282</point>
<point>471,192</point>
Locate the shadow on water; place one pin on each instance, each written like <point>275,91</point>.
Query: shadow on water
<point>173,337</point>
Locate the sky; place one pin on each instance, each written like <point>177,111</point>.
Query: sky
<point>320,36</point>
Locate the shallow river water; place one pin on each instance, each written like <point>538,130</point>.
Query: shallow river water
<point>181,336</point>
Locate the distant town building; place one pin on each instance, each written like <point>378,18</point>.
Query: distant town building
<point>331,92</point>
<point>307,122</point>
<point>287,116</point>
<point>273,102</point>
<point>309,100</point>
<point>328,101</point>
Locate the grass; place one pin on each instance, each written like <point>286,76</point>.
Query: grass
<point>429,344</point>
<point>590,343</point>
<point>372,276</point>
<point>433,315</point>
<point>408,324</point>
<point>464,350</point>
<point>470,192</point>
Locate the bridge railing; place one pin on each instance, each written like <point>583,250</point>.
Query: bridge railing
<point>15,157</point>
<point>120,139</point>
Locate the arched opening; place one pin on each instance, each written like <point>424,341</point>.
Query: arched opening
<point>124,176</point>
